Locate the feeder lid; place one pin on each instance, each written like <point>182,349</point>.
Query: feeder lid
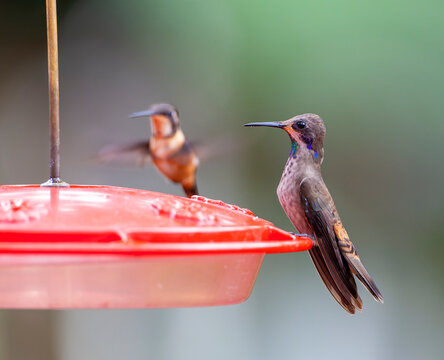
<point>114,220</point>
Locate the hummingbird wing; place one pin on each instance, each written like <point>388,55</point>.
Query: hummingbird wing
<point>326,255</point>
<point>216,148</point>
<point>334,251</point>
<point>131,154</point>
<point>138,153</point>
<point>185,156</point>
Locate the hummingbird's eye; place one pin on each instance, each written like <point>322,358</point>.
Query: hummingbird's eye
<point>299,125</point>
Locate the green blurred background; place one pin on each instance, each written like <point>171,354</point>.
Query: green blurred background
<point>373,70</point>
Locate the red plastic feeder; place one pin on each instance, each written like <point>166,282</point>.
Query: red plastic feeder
<point>102,247</point>
<point>98,246</point>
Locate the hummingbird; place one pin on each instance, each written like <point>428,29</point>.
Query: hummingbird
<point>167,148</point>
<point>308,204</point>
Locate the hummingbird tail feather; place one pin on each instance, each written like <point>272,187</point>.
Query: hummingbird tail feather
<point>363,276</point>
<point>353,260</point>
<point>338,289</point>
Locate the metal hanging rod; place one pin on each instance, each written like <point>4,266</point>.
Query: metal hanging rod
<point>54,101</point>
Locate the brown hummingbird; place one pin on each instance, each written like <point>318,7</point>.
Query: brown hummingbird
<point>167,148</point>
<point>310,207</point>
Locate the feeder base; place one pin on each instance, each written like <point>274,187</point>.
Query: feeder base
<point>58,282</point>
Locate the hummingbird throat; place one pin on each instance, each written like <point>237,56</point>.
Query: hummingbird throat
<point>295,147</point>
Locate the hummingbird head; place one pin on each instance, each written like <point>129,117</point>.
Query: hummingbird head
<point>164,119</point>
<point>305,129</point>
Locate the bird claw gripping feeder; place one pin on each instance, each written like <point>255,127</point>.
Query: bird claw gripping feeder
<point>69,246</point>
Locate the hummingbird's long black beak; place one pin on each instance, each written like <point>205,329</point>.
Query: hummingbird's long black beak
<point>142,114</point>
<point>269,124</point>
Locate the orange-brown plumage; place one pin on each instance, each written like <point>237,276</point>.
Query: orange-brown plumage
<point>175,158</point>
<point>167,148</point>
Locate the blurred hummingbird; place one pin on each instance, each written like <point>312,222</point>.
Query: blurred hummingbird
<point>167,148</point>
<point>309,206</point>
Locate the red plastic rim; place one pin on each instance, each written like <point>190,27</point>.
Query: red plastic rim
<point>120,221</point>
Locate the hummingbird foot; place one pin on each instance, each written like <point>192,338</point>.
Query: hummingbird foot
<point>304,235</point>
